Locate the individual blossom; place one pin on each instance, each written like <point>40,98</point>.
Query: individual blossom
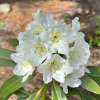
<point>72,79</point>
<point>56,68</point>
<point>24,66</point>
<point>40,24</point>
<point>58,39</point>
<point>78,54</point>
<point>35,50</point>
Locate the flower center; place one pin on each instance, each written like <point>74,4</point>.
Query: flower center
<point>54,37</point>
<point>54,65</point>
<point>39,48</point>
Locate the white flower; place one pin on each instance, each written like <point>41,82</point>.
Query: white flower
<point>72,79</point>
<point>78,54</point>
<point>58,39</point>
<point>36,50</point>
<point>40,24</point>
<point>56,68</point>
<point>24,67</point>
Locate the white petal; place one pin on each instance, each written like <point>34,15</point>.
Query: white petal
<point>76,24</point>
<point>47,78</point>
<point>65,89</point>
<point>87,71</point>
<point>27,75</point>
<point>74,81</point>
<point>47,20</point>
<point>16,57</point>
<point>59,76</point>
<point>37,16</point>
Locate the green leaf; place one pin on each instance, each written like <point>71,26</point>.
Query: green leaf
<point>13,84</point>
<point>13,42</point>
<point>57,93</point>
<point>22,98</point>
<point>95,71</point>
<point>6,98</point>
<point>90,84</point>
<point>87,97</point>
<point>74,91</point>
<point>96,79</point>
<point>34,96</point>
<point>5,60</point>
<point>63,17</point>
<point>22,92</point>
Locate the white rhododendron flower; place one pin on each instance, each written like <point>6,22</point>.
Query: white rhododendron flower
<point>72,79</point>
<point>40,24</point>
<point>51,47</point>
<point>78,54</point>
<point>56,68</point>
<point>24,67</point>
<point>58,39</point>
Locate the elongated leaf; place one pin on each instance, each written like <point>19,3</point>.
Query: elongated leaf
<point>90,84</point>
<point>95,71</point>
<point>13,42</point>
<point>22,92</point>
<point>5,60</point>
<point>13,84</point>
<point>74,91</point>
<point>87,97</point>
<point>6,98</point>
<point>57,93</point>
<point>22,98</point>
<point>34,96</point>
<point>96,79</point>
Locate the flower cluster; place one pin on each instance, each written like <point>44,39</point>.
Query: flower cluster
<point>59,51</point>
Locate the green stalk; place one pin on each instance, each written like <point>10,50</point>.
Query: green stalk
<point>44,92</point>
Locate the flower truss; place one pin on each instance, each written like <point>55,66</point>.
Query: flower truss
<point>57,50</point>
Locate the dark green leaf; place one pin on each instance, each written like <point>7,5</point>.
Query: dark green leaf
<point>13,84</point>
<point>74,91</point>
<point>6,98</point>
<point>96,79</point>
<point>34,96</point>
<point>22,98</point>
<point>95,71</point>
<point>87,97</point>
<point>90,84</point>
<point>98,96</point>
<point>57,93</point>
<point>7,63</point>
<point>5,60</point>
<point>13,42</point>
<point>22,92</point>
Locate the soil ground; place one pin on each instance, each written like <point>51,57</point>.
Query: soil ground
<point>16,20</point>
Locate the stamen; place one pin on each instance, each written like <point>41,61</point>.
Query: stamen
<point>74,56</point>
<point>39,50</point>
<point>82,36</point>
<point>25,64</point>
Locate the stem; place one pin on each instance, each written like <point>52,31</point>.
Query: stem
<point>44,91</point>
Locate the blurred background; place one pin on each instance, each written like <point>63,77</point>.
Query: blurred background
<point>16,14</point>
